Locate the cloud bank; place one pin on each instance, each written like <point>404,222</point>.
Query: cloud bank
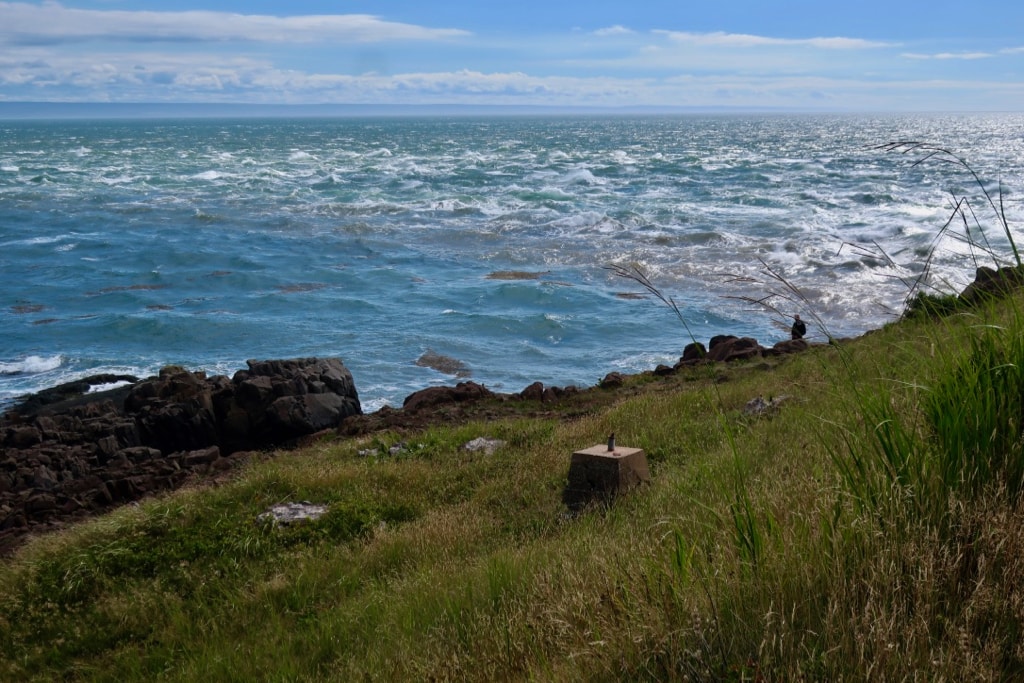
<point>52,52</point>
<point>52,23</point>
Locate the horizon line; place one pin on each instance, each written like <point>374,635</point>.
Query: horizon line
<point>22,109</point>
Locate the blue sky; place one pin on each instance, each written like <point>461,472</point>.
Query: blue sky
<point>823,55</point>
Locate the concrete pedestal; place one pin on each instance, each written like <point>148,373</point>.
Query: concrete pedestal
<point>596,473</point>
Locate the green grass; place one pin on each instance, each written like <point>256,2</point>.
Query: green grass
<point>870,529</point>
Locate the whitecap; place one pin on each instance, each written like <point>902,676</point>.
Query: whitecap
<point>580,176</point>
<point>31,365</point>
<point>374,404</point>
<point>588,223</point>
<point>207,175</point>
<point>95,388</point>
<point>622,157</point>
<point>554,193</point>
<point>919,211</point>
<point>49,239</point>
<point>120,180</point>
<point>452,205</point>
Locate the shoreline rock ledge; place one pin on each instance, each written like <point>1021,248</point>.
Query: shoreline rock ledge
<point>68,453</point>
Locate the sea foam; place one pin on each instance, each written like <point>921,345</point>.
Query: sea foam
<point>31,365</point>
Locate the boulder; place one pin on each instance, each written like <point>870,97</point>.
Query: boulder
<point>693,352</point>
<point>728,349</point>
<point>463,391</point>
<point>992,282</point>
<point>788,346</point>
<point>612,380</point>
<point>534,392</point>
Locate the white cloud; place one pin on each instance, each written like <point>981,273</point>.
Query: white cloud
<point>616,30</point>
<point>53,23</point>
<point>155,77</point>
<point>722,39</point>
<point>948,55</point>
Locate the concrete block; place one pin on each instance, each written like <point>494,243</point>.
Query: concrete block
<point>597,473</point>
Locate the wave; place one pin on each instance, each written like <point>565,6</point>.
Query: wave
<point>31,365</point>
<point>580,176</point>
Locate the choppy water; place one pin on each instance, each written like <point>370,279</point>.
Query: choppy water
<point>128,245</point>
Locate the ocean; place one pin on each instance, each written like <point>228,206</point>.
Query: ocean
<point>130,244</point>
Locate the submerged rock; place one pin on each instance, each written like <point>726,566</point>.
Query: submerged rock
<point>449,366</point>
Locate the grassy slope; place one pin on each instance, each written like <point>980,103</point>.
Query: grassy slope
<point>750,553</point>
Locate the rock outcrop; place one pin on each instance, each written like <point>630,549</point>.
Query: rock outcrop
<point>728,348</point>
<point>992,283</point>
<point>66,454</point>
<point>432,396</point>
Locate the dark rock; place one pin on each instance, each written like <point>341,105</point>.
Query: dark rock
<point>107,445</point>
<point>694,351</point>
<point>48,428</point>
<point>71,392</point>
<point>990,283</point>
<point>40,503</point>
<point>534,392</point>
<point>612,380</point>
<point>449,366</point>
<point>65,451</point>
<point>551,394</point>
<point>293,416</point>
<point>720,339</point>
<point>43,478</point>
<point>664,370</point>
<point>789,346</point>
<point>140,454</point>
<point>430,396</point>
<point>201,457</point>
<point>471,391</point>
<point>463,391</point>
<point>25,437</point>
<point>730,349</point>
<point>13,520</point>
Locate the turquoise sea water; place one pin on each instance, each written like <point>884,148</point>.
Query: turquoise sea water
<point>126,245</point>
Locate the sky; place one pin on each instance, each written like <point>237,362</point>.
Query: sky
<point>855,55</point>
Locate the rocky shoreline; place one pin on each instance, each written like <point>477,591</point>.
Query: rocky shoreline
<point>70,452</point>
